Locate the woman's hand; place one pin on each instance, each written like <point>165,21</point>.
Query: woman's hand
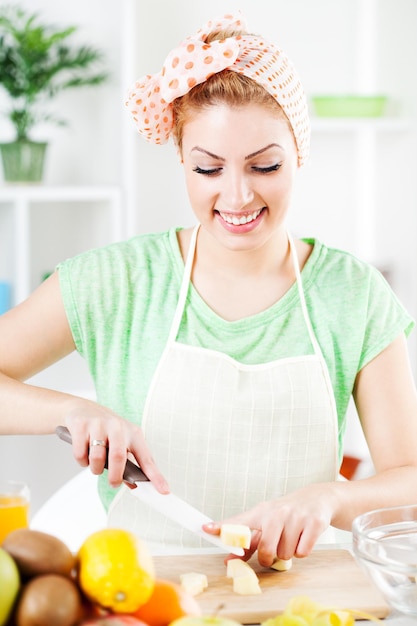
<point>288,526</point>
<point>88,421</point>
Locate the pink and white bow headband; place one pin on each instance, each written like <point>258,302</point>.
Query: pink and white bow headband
<point>194,61</point>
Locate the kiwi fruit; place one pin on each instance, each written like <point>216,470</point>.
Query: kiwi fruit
<point>37,553</point>
<point>49,599</point>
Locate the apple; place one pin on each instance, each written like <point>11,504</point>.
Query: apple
<point>9,585</point>
<point>204,620</point>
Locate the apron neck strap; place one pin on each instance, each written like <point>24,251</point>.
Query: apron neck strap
<point>299,280</point>
<point>187,279</point>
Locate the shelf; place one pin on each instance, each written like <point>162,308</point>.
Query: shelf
<point>365,132</point>
<point>27,212</point>
<point>40,193</point>
<point>345,124</point>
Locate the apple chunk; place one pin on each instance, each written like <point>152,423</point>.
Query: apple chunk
<point>245,580</point>
<point>237,567</point>
<point>236,535</point>
<point>193,582</point>
<point>282,565</point>
<point>246,586</point>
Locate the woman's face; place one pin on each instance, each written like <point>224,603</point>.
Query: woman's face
<point>239,166</point>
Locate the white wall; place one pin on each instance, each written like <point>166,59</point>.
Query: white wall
<point>324,39</point>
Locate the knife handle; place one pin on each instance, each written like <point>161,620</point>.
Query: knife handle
<point>132,473</point>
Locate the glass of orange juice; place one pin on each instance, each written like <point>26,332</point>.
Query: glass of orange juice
<point>14,506</point>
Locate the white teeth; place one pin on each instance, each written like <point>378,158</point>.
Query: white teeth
<point>245,219</point>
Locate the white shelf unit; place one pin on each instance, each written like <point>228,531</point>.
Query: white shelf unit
<point>42,225</point>
<point>365,132</point>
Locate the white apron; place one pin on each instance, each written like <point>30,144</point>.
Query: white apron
<point>227,435</point>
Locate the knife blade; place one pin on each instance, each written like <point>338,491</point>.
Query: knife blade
<point>170,505</point>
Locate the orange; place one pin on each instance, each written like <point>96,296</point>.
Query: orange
<point>116,570</point>
<point>167,602</point>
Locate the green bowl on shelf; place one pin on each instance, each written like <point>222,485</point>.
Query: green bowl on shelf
<point>349,106</point>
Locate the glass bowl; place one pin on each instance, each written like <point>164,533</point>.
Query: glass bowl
<point>385,545</point>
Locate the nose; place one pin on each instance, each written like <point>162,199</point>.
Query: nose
<point>237,191</point>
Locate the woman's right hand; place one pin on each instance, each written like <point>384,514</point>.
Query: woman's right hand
<point>87,421</point>
<point>34,335</point>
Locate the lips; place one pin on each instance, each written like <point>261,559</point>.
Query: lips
<point>240,220</point>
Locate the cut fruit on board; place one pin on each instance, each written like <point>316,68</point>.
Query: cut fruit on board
<point>330,577</point>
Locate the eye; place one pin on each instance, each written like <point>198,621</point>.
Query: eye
<point>266,170</point>
<point>205,172</point>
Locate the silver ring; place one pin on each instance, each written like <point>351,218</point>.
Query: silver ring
<point>98,442</point>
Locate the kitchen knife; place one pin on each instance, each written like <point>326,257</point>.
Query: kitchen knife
<point>169,504</point>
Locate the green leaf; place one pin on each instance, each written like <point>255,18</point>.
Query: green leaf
<point>37,61</point>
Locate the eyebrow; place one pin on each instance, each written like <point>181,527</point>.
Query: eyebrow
<point>250,156</point>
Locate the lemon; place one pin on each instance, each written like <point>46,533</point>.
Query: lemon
<point>116,570</point>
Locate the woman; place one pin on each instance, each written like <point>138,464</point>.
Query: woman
<point>224,356</point>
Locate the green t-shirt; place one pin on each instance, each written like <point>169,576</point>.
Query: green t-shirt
<point>120,301</point>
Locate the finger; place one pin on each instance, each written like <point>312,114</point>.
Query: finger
<point>146,462</point>
<point>117,455</point>
<point>305,545</point>
<point>97,454</point>
<point>288,542</point>
<point>152,472</point>
<point>213,528</point>
<point>80,444</point>
<point>308,538</point>
<point>268,543</point>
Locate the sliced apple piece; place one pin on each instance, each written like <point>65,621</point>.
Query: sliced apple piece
<point>193,582</point>
<point>246,585</point>
<point>237,567</point>
<point>236,535</point>
<point>282,565</point>
<point>245,580</point>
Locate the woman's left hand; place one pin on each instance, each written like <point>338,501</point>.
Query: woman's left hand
<point>286,527</point>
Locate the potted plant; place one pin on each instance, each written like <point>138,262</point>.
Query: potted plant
<point>37,63</point>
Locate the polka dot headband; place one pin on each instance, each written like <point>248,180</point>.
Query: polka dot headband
<point>194,61</point>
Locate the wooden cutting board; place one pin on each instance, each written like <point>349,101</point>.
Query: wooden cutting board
<point>330,577</point>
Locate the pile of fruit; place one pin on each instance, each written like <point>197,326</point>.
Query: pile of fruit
<point>111,581</point>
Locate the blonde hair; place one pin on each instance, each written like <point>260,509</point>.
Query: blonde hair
<point>225,87</point>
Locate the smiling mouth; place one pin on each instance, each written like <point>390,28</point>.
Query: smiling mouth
<point>240,220</point>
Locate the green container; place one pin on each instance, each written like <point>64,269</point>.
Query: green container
<point>23,161</point>
<point>349,106</point>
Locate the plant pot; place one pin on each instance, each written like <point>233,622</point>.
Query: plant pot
<point>23,161</point>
